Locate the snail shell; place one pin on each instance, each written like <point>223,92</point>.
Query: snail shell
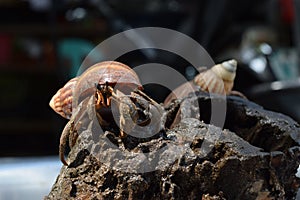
<point>219,79</point>
<point>61,102</point>
<point>111,72</point>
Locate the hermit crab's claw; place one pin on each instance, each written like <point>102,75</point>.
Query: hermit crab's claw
<point>140,116</point>
<point>136,110</point>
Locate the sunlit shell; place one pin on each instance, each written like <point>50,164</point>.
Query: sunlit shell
<point>112,72</point>
<point>219,79</point>
<point>109,71</point>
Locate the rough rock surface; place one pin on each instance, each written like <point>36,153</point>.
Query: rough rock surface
<point>255,156</point>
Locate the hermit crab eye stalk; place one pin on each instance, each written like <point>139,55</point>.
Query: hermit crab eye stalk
<point>101,86</point>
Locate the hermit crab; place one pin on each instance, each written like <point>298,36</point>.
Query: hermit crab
<point>115,91</point>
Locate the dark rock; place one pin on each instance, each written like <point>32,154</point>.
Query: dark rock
<point>255,156</point>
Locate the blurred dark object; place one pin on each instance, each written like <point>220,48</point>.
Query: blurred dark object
<point>280,96</point>
<point>297,26</point>
<point>27,124</point>
<point>268,54</point>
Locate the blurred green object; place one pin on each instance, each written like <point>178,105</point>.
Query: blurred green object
<point>284,63</point>
<point>75,50</point>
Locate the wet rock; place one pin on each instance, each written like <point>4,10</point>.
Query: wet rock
<point>255,156</point>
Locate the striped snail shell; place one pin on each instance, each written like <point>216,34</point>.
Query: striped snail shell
<point>111,72</point>
<point>61,102</point>
<point>218,79</point>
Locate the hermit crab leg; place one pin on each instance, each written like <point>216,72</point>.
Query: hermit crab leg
<point>63,141</point>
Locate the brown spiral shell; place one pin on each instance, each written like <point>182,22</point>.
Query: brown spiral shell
<point>112,72</point>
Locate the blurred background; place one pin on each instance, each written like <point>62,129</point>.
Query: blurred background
<point>43,42</point>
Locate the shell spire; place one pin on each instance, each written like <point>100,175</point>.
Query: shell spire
<point>226,70</point>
